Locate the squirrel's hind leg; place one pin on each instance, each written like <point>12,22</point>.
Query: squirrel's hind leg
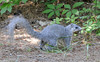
<point>42,43</point>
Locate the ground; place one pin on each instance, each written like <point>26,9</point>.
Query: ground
<point>25,48</point>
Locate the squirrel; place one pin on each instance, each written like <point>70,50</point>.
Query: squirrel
<point>49,35</point>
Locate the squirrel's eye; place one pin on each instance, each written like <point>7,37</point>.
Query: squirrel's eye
<point>76,27</point>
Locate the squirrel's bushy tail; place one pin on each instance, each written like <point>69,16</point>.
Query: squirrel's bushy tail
<point>24,23</point>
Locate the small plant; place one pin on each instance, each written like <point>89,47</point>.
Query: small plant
<point>71,13</point>
<point>8,4</point>
<point>57,20</point>
<point>71,19</point>
<point>71,10</point>
<point>53,10</point>
<point>91,25</point>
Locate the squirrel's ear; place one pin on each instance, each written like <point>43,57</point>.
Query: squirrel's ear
<point>72,24</point>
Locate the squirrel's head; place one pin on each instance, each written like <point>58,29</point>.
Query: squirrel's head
<point>73,27</point>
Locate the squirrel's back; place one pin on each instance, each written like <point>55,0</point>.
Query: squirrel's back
<point>53,30</point>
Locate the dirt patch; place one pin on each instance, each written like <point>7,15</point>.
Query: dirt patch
<point>25,48</point>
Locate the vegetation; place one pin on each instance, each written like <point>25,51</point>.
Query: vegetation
<point>6,5</point>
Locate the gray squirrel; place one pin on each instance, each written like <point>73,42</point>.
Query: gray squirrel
<point>49,35</point>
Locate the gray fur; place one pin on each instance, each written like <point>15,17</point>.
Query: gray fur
<point>49,35</point>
